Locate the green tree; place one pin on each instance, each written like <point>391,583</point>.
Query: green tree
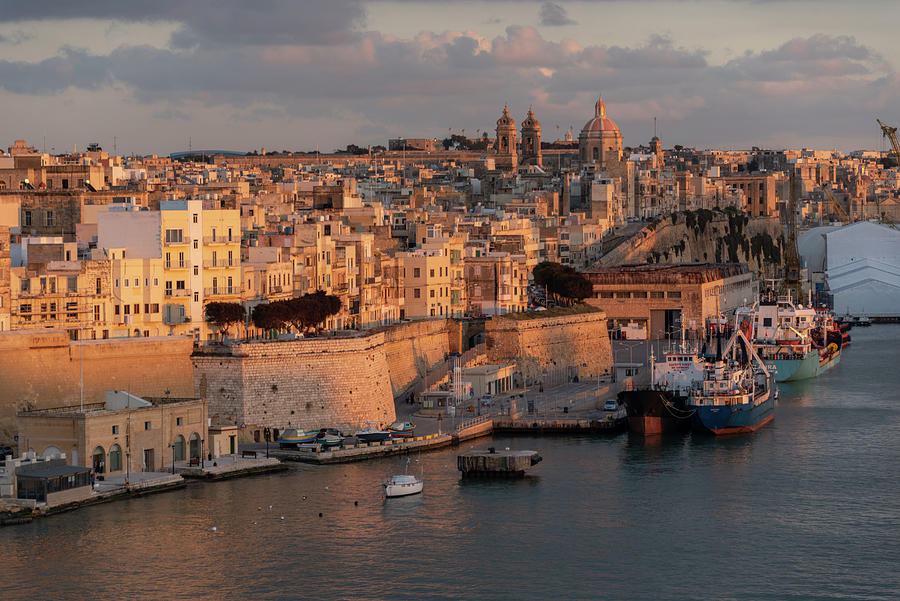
<point>223,315</point>
<point>562,281</point>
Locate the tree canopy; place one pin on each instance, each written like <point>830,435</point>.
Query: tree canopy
<point>562,281</point>
<point>223,315</point>
<point>303,313</point>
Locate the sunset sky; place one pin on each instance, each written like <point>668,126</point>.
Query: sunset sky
<point>238,75</point>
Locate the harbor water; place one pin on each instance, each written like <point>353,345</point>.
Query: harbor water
<point>808,507</point>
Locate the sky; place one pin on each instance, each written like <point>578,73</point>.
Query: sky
<point>160,75</point>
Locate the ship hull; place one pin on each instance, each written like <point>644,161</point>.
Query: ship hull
<point>792,370</point>
<point>728,420</point>
<point>652,412</point>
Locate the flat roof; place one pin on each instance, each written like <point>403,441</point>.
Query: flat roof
<point>666,273</point>
<point>53,471</point>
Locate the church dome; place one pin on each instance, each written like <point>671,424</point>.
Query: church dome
<point>600,123</point>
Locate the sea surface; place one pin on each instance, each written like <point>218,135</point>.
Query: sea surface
<point>806,508</point>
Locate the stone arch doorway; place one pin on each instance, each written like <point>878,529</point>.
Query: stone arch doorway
<point>195,446</point>
<point>98,460</point>
<point>115,458</point>
<point>51,452</point>
<point>179,448</point>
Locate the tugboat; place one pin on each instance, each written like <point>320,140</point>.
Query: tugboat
<point>660,407</point>
<point>736,394</point>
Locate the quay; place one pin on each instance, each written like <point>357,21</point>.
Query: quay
<point>230,466</point>
<point>562,424</point>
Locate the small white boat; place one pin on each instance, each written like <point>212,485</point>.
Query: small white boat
<point>402,485</point>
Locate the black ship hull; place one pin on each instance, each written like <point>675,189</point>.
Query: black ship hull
<point>655,411</point>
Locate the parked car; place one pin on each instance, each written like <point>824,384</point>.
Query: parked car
<point>486,400</point>
<point>611,405</point>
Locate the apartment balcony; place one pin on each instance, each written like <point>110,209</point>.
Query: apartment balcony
<point>182,242</point>
<point>176,266</point>
<point>44,293</point>
<point>222,291</point>
<point>177,293</point>
<point>220,264</point>
<point>218,240</point>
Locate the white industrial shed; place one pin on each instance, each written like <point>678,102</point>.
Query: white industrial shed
<point>862,268</point>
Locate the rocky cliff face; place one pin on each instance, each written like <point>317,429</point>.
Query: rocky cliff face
<point>706,236</point>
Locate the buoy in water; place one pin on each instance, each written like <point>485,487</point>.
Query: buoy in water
<point>213,528</point>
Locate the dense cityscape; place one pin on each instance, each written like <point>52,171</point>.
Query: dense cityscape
<point>495,329</point>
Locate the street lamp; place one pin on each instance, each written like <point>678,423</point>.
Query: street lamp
<point>173,457</point>
<point>201,453</point>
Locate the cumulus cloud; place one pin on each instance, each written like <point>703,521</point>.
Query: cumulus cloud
<point>553,15</point>
<point>362,84</point>
<point>213,23</point>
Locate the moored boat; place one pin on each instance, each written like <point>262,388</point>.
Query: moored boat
<point>292,437</point>
<point>402,429</point>
<point>370,432</point>
<point>402,485</point>
<point>660,407</point>
<point>737,394</point>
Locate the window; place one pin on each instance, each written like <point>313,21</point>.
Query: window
<point>179,420</point>
<point>181,259</point>
<point>126,309</point>
<point>125,281</point>
<point>417,272</point>
<point>767,322</point>
<point>28,218</point>
<point>168,260</point>
<point>99,282</point>
<point>155,283</point>
<point>195,217</point>
<point>674,294</point>
<point>657,294</point>
<point>196,297</point>
<point>146,307</point>
<point>417,293</point>
<point>174,236</point>
<point>137,308</point>
<point>137,282</point>
<point>96,312</point>
<point>48,218</point>
<point>147,425</point>
<point>146,281</point>
<point>605,294</point>
<point>117,282</point>
<point>431,293</point>
<point>154,307</point>
<point>115,429</point>
<point>116,310</point>
<point>431,273</point>
<point>196,270</point>
<point>179,285</point>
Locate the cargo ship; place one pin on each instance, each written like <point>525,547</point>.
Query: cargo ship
<point>795,343</point>
<point>661,406</point>
<point>736,394</point>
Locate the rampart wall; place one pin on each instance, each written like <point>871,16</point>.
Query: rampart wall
<point>580,342</point>
<point>43,369</point>
<point>414,348</point>
<point>307,383</point>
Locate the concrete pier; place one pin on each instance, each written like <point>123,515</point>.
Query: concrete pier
<point>491,462</point>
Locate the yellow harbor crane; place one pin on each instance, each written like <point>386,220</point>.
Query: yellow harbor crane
<point>836,208</point>
<point>891,134</point>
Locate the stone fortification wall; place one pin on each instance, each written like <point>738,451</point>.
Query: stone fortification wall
<point>723,238</point>
<point>43,369</point>
<point>551,344</point>
<point>414,348</point>
<point>308,383</point>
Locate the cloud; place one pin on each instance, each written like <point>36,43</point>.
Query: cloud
<point>15,38</point>
<point>553,15</point>
<point>214,23</point>
<point>368,83</point>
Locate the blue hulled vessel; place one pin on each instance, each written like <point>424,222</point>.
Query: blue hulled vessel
<point>737,393</point>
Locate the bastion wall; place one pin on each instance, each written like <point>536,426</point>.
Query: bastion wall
<point>548,344</point>
<point>43,369</point>
<point>412,349</point>
<point>307,383</point>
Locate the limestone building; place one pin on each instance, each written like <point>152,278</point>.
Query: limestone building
<point>600,141</point>
<point>531,140</point>
<point>507,155</point>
